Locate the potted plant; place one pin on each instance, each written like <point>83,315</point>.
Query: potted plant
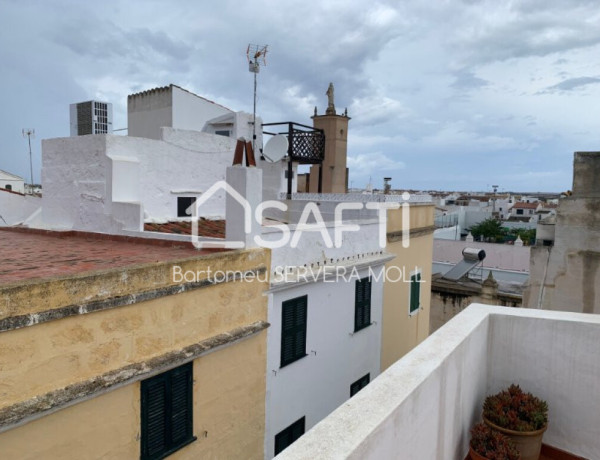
<point>520,416</point>
<point>488,444</point>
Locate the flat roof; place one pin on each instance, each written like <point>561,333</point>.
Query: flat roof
<point>28,254</point>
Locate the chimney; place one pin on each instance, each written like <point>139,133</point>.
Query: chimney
<point>245,195</point>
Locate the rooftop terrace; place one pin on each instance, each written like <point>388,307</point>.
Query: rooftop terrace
<point>30,254</point>
<point>424,405</point>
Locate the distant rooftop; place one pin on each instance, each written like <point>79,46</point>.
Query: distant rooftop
<point>526,205</point>
<point>168,88</point>
<point>206,227</point>
<point>33,255</point>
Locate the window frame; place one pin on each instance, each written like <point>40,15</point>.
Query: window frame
<point>293,331</point>
<point>185,372</point>
<point>417,275</point>
<point>366,304</point>
<point>301,422</point>
<point>360,383</point>
<point>192,199</point>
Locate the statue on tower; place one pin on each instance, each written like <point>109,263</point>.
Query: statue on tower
<point>330,104</point>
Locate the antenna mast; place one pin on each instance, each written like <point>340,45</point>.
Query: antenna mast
<point>256,57</point>
<point>30,133</point>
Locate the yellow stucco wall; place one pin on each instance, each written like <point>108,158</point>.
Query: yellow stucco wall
<point>229,394</point>
<point>401,332</point>
<point>229,382</point>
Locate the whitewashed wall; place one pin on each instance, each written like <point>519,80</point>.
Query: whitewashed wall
<point>315,385</point>
<point>192,112</point>
<point>16,208</point>
<point>102,183</point>
<point>16,183</point>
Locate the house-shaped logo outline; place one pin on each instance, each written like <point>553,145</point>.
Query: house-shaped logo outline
<point>220,185</point>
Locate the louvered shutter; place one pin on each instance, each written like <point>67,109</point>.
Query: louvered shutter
<point>362,304</point>
<point>286,437</point>
<point>167,418</point>
<point>293,329</point>
<point>181,404</point>
<point>154,427</point>
<point>415,292</point>
<point>300,327</point>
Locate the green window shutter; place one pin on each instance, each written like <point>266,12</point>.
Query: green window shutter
<point>293,329</point>
<point>181,407</point>
<point>362,304</point>
<point>154,426</point>
<point>415,292</point>
<point>286,437</point>
<point>167,412</point>
<point>360,384</point>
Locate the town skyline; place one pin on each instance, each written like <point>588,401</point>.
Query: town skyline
<point>455,97</point>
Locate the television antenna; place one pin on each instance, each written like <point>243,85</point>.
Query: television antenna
<point>257,56</point>
<point>30,133</point>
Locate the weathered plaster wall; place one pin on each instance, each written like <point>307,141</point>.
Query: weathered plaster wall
<point>336,146</point>
<point>38,296</point>
<point>147,113</point>
<point>566,276</point>
<point>401,332</point>
<point>50,354</point>
<point>446,305</point>
<point>80,347</point>
<point>229,391</point>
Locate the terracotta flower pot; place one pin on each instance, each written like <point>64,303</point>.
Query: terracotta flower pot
<point>529,443</point>
<point>475,456</point>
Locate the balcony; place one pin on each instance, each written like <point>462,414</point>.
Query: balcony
<point>425,404</point>
<point>306,145</point>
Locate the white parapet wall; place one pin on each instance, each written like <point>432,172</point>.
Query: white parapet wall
<point>424,405</point>
<point>104,183</point>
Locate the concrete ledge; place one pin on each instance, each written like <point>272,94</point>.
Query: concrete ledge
<point>31,319</point>
<point>414,233</point>
<point>34,408</point>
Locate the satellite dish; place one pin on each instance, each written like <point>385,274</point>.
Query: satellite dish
<point>276,148</point>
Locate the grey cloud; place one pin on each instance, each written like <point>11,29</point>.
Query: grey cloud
<point>466,80</point>
<point>571,84</point>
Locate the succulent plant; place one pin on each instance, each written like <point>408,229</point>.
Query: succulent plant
<point>516,410</point>
<point>492,444</point>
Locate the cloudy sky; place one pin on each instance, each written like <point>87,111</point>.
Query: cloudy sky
<point>448,94</point>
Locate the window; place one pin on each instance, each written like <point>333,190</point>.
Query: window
<point>286,438</point>
<point>415,293</point>
<point>183,203</point>
<point>519,212</point>
<point>359,384</point>
<point>362,304</point>
<point>8,187</point>
<point>167,423</point>
<point>293,330</point>
<point>222,132</point>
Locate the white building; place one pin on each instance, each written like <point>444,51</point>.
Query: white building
<point>325,302</point>
<point>174,107</point>
<point>336,302</point>
<point>11,182</point>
